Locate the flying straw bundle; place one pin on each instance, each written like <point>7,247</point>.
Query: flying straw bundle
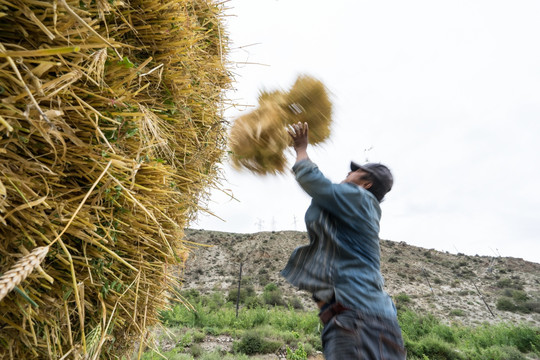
<point>258,139</point>
<point>110,134</point>
<point>263,127</point>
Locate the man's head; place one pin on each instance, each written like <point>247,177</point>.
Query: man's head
<point>376,178</point>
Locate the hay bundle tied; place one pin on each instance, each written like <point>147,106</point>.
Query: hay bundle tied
<point>111,132</point>
<point>258,140</point>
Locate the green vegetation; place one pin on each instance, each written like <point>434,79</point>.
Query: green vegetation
<point>426,336</point>
<point>401,300</point>
<point>273,295</point>
<point>264,328</point>
<point>298,354</point>
<point>254,342</point>
<point>512,283</point>
<point>516,301</point>
<point>457,312</point>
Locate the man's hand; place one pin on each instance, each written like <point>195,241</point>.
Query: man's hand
<point>299,135</point>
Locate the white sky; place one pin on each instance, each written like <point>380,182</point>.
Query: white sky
<point>446,93</point>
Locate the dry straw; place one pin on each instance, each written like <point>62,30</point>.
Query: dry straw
<point>111,130</point>
<point>21,270</point>
<point>258,139</point>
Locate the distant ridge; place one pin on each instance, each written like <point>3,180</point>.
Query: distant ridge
<point>456,288</point>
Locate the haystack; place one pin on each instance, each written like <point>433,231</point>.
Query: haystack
<point>110,134</point>
<point>258,139</point>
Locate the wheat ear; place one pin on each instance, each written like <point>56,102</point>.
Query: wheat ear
<point>21,270</point>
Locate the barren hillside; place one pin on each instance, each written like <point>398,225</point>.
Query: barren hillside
<point>457,288</point>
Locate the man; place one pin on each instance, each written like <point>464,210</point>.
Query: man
<point>341,264</point>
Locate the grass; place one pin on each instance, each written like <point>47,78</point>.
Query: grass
<point>267,329</point>
<point>284,321</point>
<point>426,335</point>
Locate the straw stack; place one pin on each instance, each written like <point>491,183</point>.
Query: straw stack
<point>110,134</point>
<point>258,139</point>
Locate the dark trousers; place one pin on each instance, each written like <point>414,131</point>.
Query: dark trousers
<point>349,334</point>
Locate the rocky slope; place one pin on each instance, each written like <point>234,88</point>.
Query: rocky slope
<point>457,288</point>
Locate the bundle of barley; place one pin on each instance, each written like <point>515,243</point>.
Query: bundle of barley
<point>110,133</point>
<point>264,128</point>
<point>258,139</point>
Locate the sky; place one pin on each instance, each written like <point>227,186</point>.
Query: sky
<point>446,93</point>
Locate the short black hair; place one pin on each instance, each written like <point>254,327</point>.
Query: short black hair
<point>376,187</point>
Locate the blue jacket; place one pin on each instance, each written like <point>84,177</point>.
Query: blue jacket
<point>343,256</point>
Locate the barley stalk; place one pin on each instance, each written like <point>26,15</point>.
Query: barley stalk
<point>92,341</point>
<point>21,270</point>
<point>125,163</point>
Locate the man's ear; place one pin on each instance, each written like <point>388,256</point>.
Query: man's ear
<point>364,183</point>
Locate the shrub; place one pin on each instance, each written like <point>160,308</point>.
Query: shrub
<point>525,339</point>
<point>270,287</point>
<point>296,303</point>
<point>272,295</point>
<point>256,317</point>
<point>496,353</point>
<point>198,336</point>
<point>401,300</point>
<point>432,348</point>
<point>252,342</point>
<point>215,301</point>
<point>504,283</point>
<point>414,326</point>
<point>445,333</point>
<point>253,302</point>
<point>532,306</point>
<point>402,297</point>
<point>263,279</point>
<point>192,295</point>
<point>211,331</point>
<point>509,283</point>
<point>516,301</point>
<point>505,304</point>
<point>273,298</point>
<point>521,308</point>
<point>245,292</point>
<point>196,350</point>
<point>298,354</point>
<point>520,296</point>
<point>457,312</point>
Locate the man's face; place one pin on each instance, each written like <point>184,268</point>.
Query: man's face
<point>357,178</point>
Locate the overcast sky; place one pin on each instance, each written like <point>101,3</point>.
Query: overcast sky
<point>446,93</point>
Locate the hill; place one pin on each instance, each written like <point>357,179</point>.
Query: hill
<point>457,288</point>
